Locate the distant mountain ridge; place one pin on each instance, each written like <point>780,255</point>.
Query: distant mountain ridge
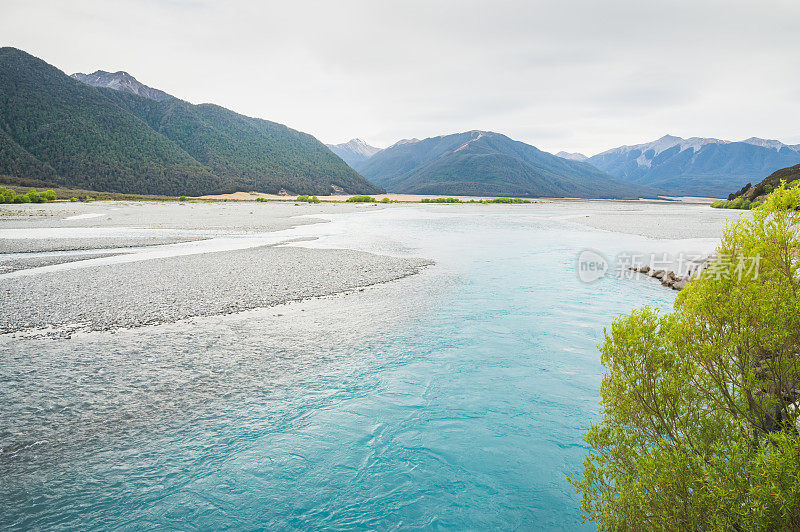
<point>485,163</point>
<point>120,81</point>
<point>696,166</point>
<point>572,156</point>
<point>669,141</point>
<point>55,128</point>
<point>353,152</point>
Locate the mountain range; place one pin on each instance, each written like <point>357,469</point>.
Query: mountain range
<point>696,166</point>
<point>56,128</point>
<point>354,152</point>
<point>108,132</point>
<point>484,163</point>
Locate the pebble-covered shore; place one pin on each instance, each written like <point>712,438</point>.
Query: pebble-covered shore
<point>168,289</point>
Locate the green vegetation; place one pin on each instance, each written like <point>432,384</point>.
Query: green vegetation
<point>308,199</point>
<point>24,185</point>
<point>506,200</point>
<point>440,200</point>
<point>387,200</point>
<point>700,407</point>
<point>738,203</point>
<point>361,199</point>
<point>457,200</point>
<point>8,195</point>
<point>57,129</point>
<point>182,198</point>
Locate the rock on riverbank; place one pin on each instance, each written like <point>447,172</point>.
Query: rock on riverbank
<point>668,278</point>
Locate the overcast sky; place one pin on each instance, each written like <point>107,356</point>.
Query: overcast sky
<point>561,75</point>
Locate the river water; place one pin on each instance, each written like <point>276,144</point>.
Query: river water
<point>456,398</point>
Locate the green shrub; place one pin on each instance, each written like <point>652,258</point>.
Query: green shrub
<point>386,200</point>
<point>738,203</point>
<point>698,427</point>
<point>74,199</point>
<point>35,197</point>
<point>7,195</point>
<point>89,198</point>
<point>507,200</point>
<point>440,200</point>
<point>361,199</point>
<point>182,198</point>
<point>21,198</point>
<point>49,195</point>
<point>261,200</point>
<point>308,199</point>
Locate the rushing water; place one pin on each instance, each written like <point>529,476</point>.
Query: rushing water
<point>456,398</point>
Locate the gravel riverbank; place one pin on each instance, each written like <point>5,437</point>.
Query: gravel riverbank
<point>96,296</point>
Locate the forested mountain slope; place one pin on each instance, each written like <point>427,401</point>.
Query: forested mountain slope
<point>56,128</point>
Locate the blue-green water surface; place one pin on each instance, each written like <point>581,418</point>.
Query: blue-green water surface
<point>453,399</point>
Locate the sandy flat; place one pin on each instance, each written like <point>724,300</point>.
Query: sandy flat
<point>416,198</point>
<point>400,198</point>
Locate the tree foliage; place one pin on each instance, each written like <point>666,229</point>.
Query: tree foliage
<point>8,195</point>
<point>700,406</point>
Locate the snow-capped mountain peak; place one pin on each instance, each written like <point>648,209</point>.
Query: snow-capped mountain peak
<point>574,156</point>
<point>120,81</point>
<point>770,143</point>
<point>651,149</point>
<point>696,165</point>
<point>354,151</point>
<point>360,147</point>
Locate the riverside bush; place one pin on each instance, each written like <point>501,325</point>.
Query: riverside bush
<point>738,203</point>
<point>361,199</point>
<point>8,195</point>
<point>699,427</point>
<point>308,199</point>
<point>440,200</point>
<point>507,200</point>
